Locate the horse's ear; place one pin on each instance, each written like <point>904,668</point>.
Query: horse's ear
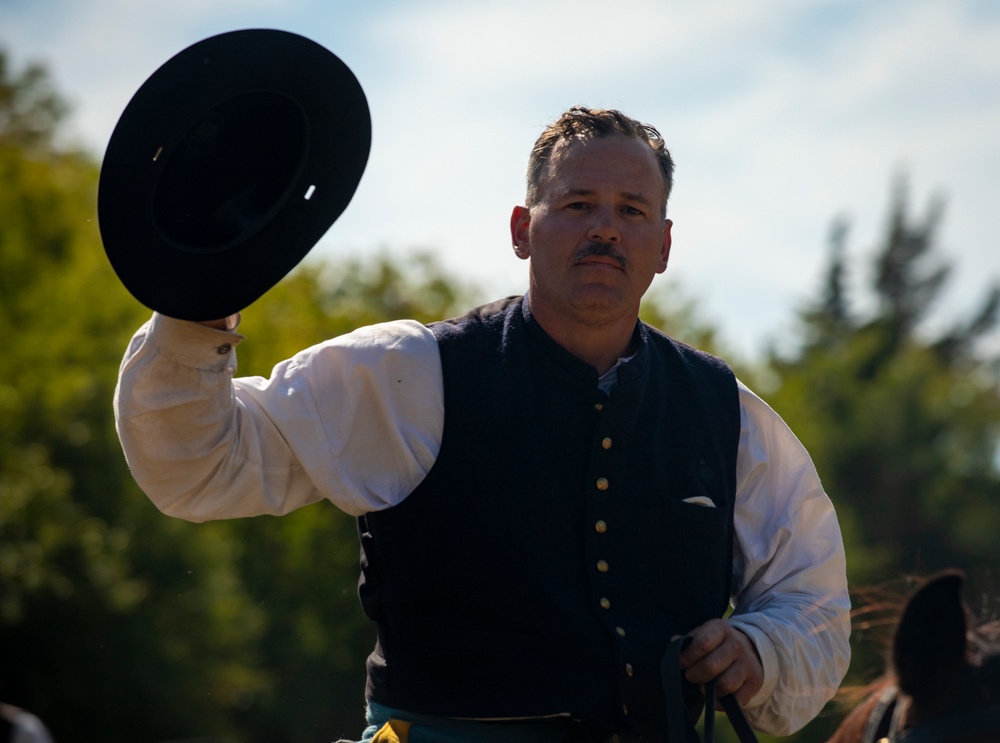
<point>930,639</point>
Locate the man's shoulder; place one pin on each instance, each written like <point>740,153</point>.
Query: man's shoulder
<point>493,316</point>
<point>373,344</point>
<point>685,352</point>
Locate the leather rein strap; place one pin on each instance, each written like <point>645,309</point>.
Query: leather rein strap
<point>680,726</point>
<point>886,718</point>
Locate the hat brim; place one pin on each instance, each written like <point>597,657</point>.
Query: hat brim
<point>226,168</point>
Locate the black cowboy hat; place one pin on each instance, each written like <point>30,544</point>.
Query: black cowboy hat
<point>226,168</point>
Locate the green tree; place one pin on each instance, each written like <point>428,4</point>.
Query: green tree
<point>902,421</point>
<point>98,593</point>
<point>30,108</point>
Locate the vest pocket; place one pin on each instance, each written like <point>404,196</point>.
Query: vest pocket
<point>696,509</point>
<point>699,539</point>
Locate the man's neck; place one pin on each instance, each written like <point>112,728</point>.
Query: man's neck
<point>599,343</point>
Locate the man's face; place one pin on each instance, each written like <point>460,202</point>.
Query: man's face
<point>595,236</point>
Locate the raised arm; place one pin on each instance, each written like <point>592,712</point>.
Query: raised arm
<point>356,420</point>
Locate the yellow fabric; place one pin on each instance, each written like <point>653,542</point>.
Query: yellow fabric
<point>394,731</point>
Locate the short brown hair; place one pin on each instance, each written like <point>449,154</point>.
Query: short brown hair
<point>580,122</point>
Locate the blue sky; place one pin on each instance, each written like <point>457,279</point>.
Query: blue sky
<point>781,115</point>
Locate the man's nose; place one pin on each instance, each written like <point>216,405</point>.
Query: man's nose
<point>604,227</point>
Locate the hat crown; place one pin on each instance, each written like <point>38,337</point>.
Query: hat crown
<point>230,171</point>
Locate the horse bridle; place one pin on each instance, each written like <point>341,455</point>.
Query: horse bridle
<point>884,723</point>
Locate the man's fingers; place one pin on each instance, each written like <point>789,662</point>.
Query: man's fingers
<point>734,681</point>
<point>712,665</point>
<point>702,641</point>
<point>718,651</point>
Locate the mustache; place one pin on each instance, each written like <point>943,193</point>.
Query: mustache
<point>603,250</point>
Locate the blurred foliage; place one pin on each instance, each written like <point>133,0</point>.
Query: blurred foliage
<point>30,108</point>
<point>902,420</point>
<point>114,618</point>
<point>111,618</point>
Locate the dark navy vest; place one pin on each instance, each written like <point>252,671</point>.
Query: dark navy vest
<point>546,560</point>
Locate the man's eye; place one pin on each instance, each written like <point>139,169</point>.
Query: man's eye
<point>576,205</point>
<point>631,210</point>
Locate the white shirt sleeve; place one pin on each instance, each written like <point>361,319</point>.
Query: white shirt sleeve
<point>356,420</point>
<point>789,573</point>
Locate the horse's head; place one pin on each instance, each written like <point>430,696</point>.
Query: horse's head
<point>944,681</point>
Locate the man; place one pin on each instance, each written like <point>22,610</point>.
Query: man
<point>548,490</point>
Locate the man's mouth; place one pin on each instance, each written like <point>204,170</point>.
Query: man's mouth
<point>601,254</point>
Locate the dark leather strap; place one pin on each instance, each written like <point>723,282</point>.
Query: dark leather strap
<point>680,726</point>
<point>877,726</point>
<point>737,719</point>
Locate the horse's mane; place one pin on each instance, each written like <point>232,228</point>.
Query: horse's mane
<point>852,728</point>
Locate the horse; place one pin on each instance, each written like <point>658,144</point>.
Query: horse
<point>943,684</point>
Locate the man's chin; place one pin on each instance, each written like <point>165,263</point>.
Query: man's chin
<point>599,298</point>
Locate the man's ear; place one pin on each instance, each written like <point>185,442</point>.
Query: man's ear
<point>665,247</point>
<point>519,221</point>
